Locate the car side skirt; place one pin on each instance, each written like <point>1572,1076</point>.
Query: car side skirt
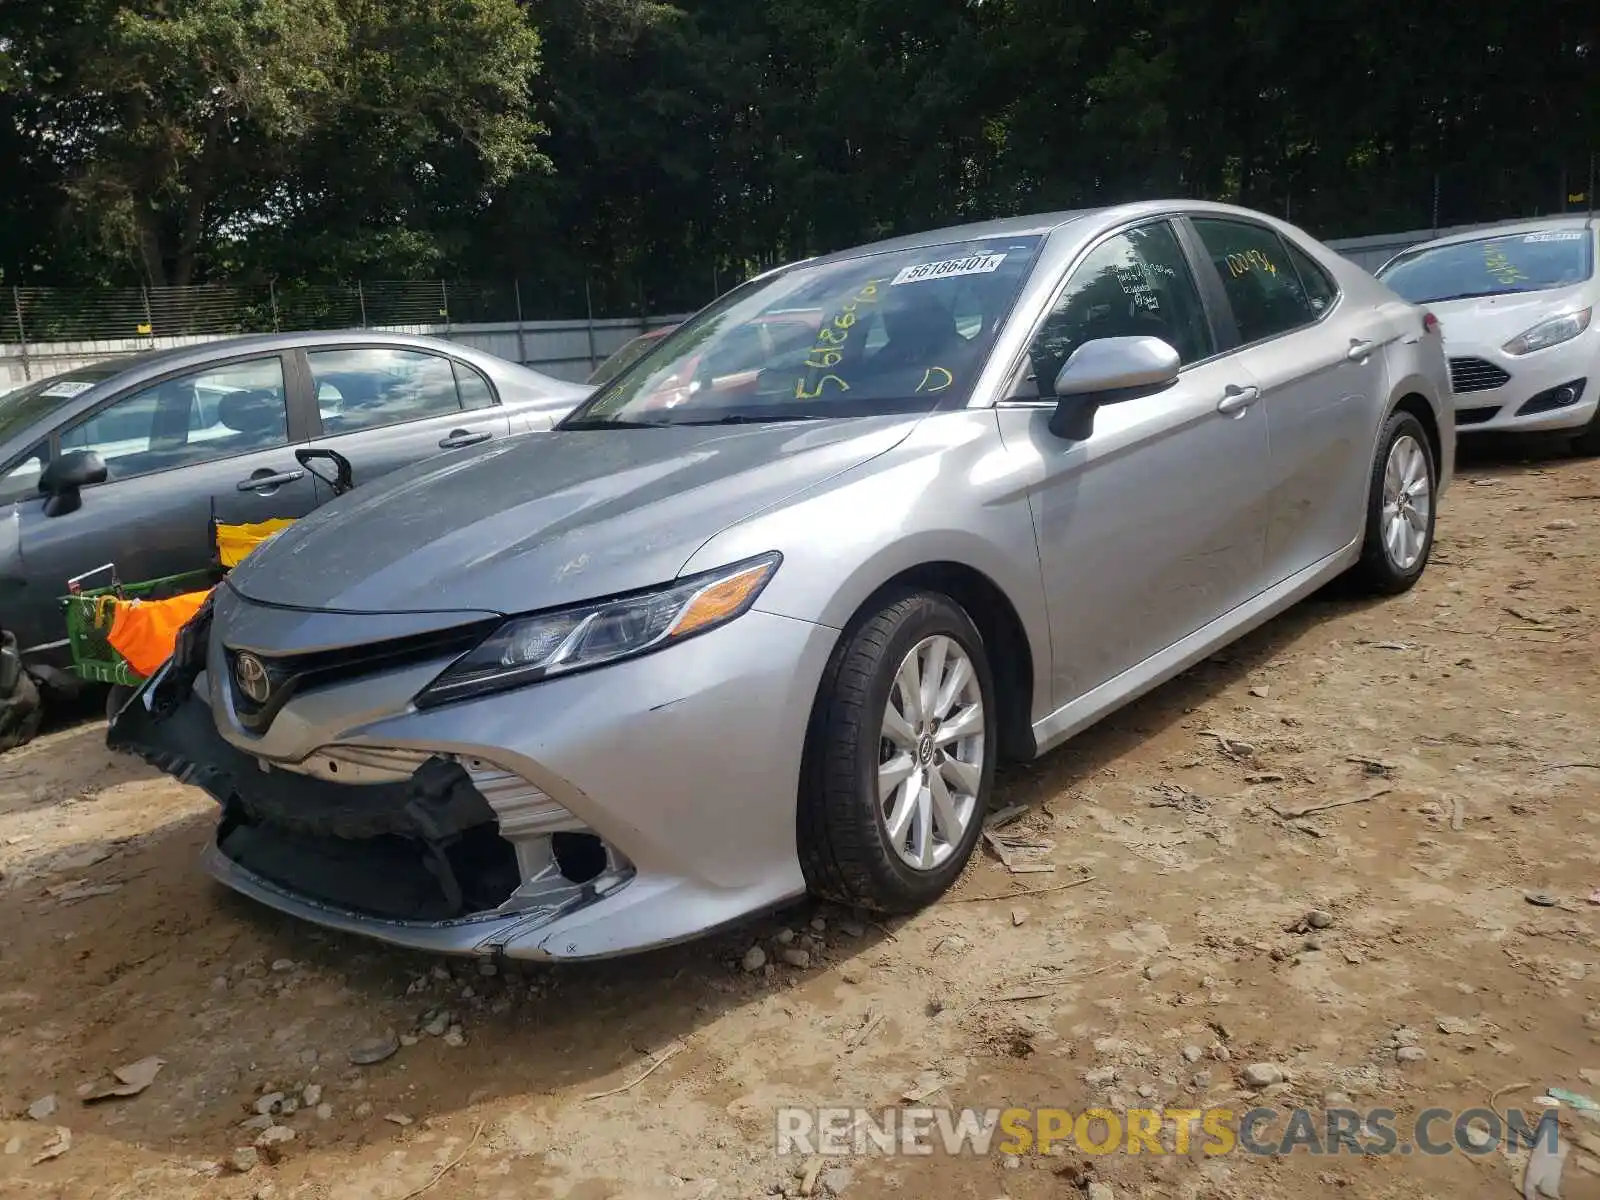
<point>1076,715</point>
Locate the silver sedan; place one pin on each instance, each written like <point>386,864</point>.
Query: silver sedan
<point>761,616</point>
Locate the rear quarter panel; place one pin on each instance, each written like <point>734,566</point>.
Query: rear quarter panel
<point>1414,361</point>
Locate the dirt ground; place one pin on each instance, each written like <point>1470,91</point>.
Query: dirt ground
<point>1469,704</point>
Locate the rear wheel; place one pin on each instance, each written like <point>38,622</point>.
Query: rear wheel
<point>1400,510</point>
<point>900,757</point>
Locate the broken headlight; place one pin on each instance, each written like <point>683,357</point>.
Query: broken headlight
<point>527,649</point>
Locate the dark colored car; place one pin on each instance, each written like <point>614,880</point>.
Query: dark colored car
<point>631,352</point>
<point>214,427</point>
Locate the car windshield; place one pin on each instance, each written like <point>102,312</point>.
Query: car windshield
<point>895,331</point>
<point>27,404</point>
<point>1493,266</point>
<point>625,357</point>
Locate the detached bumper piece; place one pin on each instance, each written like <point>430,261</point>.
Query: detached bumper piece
<point>403,844</point>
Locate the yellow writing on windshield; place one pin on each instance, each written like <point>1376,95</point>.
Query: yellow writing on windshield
<point>832,337</point>
<point>935,379</point>
<point>800,392</point>
<point>1502,268</point>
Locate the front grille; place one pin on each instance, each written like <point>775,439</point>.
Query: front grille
<point>290,674</point>
<point>1476,416</point>
<point>1475,375</point>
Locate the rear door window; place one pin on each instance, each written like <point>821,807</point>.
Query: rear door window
<point>1321,290</point>
<point>371,386</point>
<point>1263,287</point>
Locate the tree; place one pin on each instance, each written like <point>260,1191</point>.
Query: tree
<point>179,128</point>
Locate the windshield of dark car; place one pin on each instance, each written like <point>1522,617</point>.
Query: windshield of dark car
<point>894,331</point>
<point>625,357</point>
<point>1493,266</point>
<point>27,404</point>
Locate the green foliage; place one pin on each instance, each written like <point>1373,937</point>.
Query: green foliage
<point>634,153</point>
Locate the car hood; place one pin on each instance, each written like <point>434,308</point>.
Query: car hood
<point>549,518</point>
<point>1495,320</point>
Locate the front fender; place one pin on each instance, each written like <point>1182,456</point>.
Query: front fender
<point>950,494</point>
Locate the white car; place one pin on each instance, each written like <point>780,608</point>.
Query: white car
<point>1516,305</point>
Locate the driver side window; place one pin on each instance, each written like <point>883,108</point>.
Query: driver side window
<point>1135,283</point>
<point>228,410</point>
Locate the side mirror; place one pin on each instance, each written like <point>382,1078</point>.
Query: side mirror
<point>60,481</point>
<point>1109,371</point>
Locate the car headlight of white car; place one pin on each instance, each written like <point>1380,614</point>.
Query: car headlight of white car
<point>1550,332</point>
<point>527,649</point>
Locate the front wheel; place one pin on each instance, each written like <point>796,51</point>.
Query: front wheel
<point>1400,509</point>
<point>1586,442</point>
<point>900,757</point>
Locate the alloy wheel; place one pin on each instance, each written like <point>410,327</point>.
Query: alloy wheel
<point>931,749</point>
<point>1407,503</point>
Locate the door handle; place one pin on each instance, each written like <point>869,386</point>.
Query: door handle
<point>1359,350</point>
<point>262,480</point>
<point>1236,399</point>
<point>463,437</point>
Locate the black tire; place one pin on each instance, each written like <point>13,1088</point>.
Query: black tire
<point>845,851</point>
<point>1586,442</point>
<point>116,696</point>
<point>20,713</point>
<point>55,685</point>
<point>1377,572</point>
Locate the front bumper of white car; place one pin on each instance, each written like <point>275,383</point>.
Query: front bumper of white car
<point>1552,389</point>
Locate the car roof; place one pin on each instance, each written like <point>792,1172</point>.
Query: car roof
<point>1037,224</point>
<point>1021,226</point>
<point>202,352</point>
<point>1508,229</point>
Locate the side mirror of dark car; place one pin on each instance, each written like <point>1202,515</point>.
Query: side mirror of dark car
<point>61,480</point>
<point>1109,371</point>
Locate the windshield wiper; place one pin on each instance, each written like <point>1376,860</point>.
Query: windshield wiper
<point>752,419</point>
<point>612,423</point>
<point>1474,295</point>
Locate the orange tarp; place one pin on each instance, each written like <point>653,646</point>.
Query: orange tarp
<point>144,631</point>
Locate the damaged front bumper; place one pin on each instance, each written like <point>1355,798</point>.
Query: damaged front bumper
<point>586,817</point>
<point>425,850</point>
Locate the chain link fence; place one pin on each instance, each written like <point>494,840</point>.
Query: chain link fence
<point>45,329</point>
<point>47,314</point>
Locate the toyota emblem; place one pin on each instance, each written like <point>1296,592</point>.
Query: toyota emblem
<point>250,674</point>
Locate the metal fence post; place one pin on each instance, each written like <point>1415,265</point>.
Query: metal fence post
<point>22,332</point>
<point>522,347</point>
<point>361,299</point>
<point>444,305</point>
<point>272,293</point>
<point>588,307</point>
<point>149,321</point>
